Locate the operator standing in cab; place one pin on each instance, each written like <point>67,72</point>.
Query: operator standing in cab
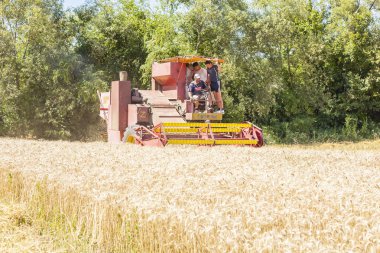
<point>196,89</point>
<point>197,69</point>
<point>213,81</point>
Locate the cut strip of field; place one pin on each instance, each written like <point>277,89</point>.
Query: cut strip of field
<point>223,198</point>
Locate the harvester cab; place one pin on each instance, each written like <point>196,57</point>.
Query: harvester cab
<point>165,115</point>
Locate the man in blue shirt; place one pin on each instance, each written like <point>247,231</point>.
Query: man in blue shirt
<point>196,90</point>
<point>213,81</point>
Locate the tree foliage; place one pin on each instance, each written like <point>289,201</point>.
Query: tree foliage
<point>46,89</point>
<point>303,69</point>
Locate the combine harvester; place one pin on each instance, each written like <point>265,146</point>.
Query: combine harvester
<point>163,115</point>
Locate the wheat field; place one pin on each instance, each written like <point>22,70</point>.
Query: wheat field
<point>201,199</point>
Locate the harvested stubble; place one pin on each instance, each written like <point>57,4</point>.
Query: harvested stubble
<point>218,199</point>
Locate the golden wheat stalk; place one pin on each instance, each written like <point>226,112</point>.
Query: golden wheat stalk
<point>198,199</point>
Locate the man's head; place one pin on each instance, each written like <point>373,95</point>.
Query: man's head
<point>197,78</point>
<point>196,66</point>
<point>208,64</point>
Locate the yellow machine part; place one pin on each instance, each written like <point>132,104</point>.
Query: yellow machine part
<point>201,127</point>
<point>193,128</point>
<point>130,139</point>
<point>235,142</point>
<point>196,130</point>
<point>213,125</point>
<point>212,142</point>
<point>191,142</point>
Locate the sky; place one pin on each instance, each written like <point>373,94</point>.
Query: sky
<point>72,3</point>
<point>75,3</point>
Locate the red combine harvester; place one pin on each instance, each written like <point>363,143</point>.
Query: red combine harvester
<point>164,115</point>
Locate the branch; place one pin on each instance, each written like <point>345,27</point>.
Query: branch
<point>357,9</point>
<point>25,50</point>
<point>372,5</point>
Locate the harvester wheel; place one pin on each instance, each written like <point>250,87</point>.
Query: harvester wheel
<point>129,135</point>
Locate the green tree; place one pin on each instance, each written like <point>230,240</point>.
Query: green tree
<point>110,35</point>
<point>303,69</point>
<point>47,91</point>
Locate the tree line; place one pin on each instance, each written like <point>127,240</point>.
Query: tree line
<point>304,70</point>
